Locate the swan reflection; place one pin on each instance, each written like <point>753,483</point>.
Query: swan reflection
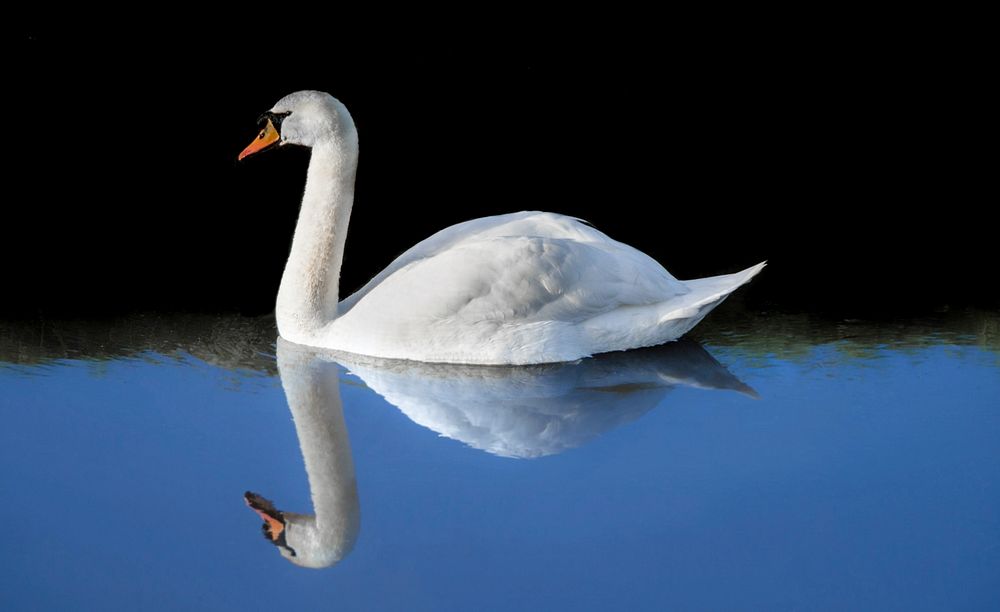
<point>532,411</point>
<point>527,411</point>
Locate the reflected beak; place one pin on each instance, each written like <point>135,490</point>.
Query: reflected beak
<point>274,520</point>
<point>265,140</point>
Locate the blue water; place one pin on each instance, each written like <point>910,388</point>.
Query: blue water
<point>779,463</point>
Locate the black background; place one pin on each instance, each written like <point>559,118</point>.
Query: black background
<point>849,160</point>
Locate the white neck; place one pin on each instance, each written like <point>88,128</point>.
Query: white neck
<point>312,388</point>
<point>310,285</point>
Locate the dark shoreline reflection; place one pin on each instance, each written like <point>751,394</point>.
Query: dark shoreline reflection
<point>231,342</point>
<point>792,335</point>
<point>235,342</point>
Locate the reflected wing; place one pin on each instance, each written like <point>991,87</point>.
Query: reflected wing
<point>530,411</point>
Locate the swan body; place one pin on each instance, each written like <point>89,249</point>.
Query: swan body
<point>521,288</point>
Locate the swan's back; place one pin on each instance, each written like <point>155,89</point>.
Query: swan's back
<point>533,224</point>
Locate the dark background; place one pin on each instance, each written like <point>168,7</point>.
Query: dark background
<point>849,160</point>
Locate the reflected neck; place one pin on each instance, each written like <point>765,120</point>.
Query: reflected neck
<point>312,389</point>
<point>310,285</point>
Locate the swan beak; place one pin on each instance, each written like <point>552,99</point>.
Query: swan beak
<point>274,520</point>
<point>267,137</point>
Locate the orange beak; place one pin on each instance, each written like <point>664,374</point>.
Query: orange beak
<point>267,137</point>
<point>272,526</point>
<point>274,520</point>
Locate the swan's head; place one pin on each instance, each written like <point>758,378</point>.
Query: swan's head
<point>306,118</point>
<point>300,539</point>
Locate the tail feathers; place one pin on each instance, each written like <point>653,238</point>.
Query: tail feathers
<point>707,293</point>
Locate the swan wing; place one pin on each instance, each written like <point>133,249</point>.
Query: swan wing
<point>525,280</point>
<point>526,223</point>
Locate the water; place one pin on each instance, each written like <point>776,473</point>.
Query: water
<point>781,462</point>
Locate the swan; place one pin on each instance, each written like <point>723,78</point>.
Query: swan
<point>513,289</point>
<point>312,388</point>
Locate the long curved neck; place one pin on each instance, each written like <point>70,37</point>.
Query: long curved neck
<point>310,285</point>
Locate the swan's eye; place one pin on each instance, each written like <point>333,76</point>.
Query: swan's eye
<point>261,135</point>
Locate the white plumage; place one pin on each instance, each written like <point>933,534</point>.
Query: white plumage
<point>522,288</point>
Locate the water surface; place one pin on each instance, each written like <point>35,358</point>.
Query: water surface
<point>772,462</point>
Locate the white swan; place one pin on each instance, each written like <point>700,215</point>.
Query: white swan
<point>312,388</point>
<point>521,288</point>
